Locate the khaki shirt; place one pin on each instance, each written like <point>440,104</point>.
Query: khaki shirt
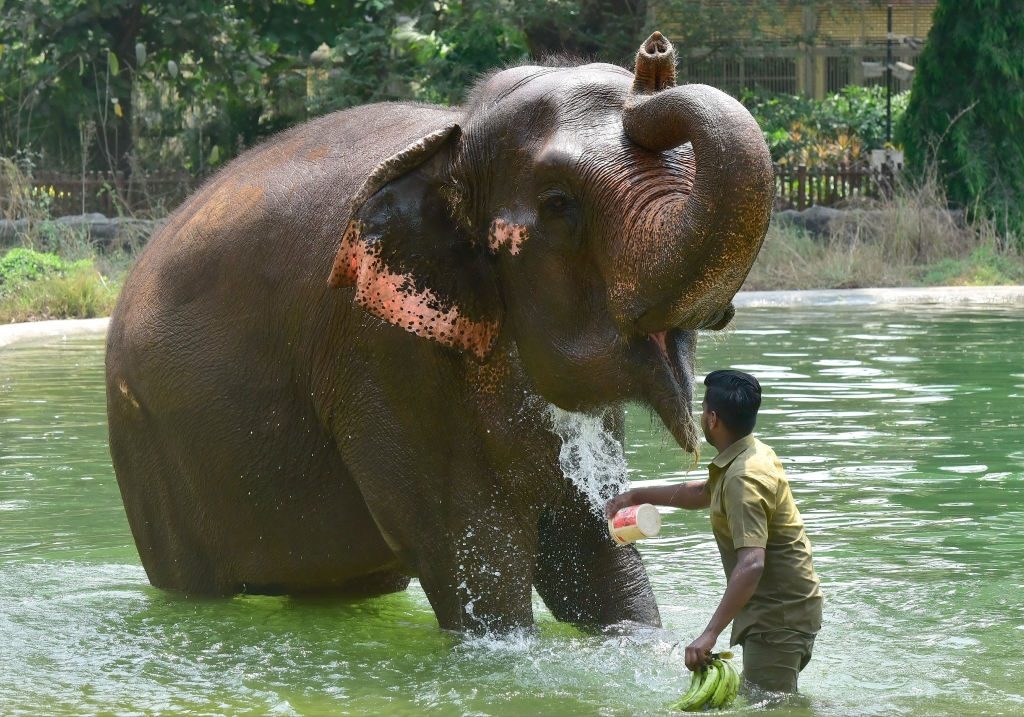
<point>752,507</point>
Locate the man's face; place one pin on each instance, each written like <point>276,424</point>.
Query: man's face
<point>705,420</point>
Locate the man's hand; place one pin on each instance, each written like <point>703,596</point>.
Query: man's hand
<point>617,503</point>
<point>698,653</point>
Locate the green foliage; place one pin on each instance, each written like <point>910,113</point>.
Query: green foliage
<point>426,51</point>
<point>839,128</point>
<point>460,42</point>
<point>20,265</point>
<point>966,114</point>
<point>37,285</point>
<point>104,84</point>
<point>362,63</point>
<point>79,293</point>
<point>143,85</point>
<point>985,266</point>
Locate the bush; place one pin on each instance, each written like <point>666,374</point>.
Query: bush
<point>36,285</point>
<point>840,128</point>
<point>985,266</point>
<point>19,266</point>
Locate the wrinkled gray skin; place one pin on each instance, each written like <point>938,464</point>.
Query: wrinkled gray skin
<point>271,433</point>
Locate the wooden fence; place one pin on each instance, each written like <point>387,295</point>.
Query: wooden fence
<point>799,187</point>
<point>112,194</point>
<point>158,193</point>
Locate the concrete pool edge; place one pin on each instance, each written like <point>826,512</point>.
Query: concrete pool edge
<point>60,328</point>
<point>933,295</point>
<point>936,295</point>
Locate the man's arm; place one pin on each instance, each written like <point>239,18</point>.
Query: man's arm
<point>689,495</point>
<point>742,584</point>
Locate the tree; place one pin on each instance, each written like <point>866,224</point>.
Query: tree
<point>65,64</point>
<point>966,110</point>
<point>704,31</point>
<point>607,30</point>
<point>419,49</point>
<point>150,83</point>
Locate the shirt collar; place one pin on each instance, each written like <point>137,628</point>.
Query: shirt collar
<point>729,454</point>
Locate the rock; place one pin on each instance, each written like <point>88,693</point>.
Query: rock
<point>824,222</point>
<point>97,228</point>
<point>11,230</point>
<point>815,220</point>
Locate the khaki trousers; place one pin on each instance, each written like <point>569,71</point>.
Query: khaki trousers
<point>773,660</point>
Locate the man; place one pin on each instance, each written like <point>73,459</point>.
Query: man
<point>772,598</point>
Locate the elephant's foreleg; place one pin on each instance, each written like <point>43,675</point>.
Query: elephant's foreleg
<point>480,579</point>
<point>585,578</point>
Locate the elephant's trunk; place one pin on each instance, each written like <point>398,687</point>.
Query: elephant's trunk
<point>694,252</point>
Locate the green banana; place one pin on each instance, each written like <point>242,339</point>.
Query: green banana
<point>728,695</point>
<point>721,692</point>
<point>696,678</point>
<point>736,682</point>
<point>733,678</point>
<point>707,688</point>
<point>715,686</point>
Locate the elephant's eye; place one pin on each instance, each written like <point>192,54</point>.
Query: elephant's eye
<point>556,202</point>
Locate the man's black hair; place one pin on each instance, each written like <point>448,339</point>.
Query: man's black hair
<point>735,396</point>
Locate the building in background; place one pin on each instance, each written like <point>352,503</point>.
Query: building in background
<point>813,49</point>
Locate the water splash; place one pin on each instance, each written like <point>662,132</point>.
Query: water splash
<point>591,457</point>
<point>469,598</point>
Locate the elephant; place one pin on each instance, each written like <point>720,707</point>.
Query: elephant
<point>333,367</point>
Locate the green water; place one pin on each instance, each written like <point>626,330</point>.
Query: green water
<point>901,431</point>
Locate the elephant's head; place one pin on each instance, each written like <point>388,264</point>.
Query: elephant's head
<point>596,218</point>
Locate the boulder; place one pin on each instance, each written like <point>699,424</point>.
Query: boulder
<point>814,220</point>
<point>98,229</point>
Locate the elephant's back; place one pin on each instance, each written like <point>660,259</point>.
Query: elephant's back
<point>242,264</point>
<point>296,186</point>
<point>273,217</point>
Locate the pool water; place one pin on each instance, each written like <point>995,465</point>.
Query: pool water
<point>900,429</point>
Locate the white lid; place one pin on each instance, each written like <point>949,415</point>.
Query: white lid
<point>648,520</point>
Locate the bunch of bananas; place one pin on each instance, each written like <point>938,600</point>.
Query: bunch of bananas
<point>715,687</point>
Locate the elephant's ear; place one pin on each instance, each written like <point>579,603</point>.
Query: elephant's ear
<point>410,263</point>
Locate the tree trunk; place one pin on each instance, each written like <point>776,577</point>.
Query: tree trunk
<point>118,137</point>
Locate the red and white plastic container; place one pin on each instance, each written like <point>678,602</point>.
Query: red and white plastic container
<point>634,523</point>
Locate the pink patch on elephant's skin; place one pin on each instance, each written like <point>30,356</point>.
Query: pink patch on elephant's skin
<point>346,263</point>
<point>394,298</point>
<point>505,233</point>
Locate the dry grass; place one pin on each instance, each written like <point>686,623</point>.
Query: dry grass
<point>907,240</point>
<point>73,277</point>
<point>18,198</point>
<point>81,293</point>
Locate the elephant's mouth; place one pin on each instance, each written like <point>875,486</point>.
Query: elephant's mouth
<point>671,391</point>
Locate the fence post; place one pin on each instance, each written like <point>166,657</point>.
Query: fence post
<point>801,187</point>
<point>887,177</point>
